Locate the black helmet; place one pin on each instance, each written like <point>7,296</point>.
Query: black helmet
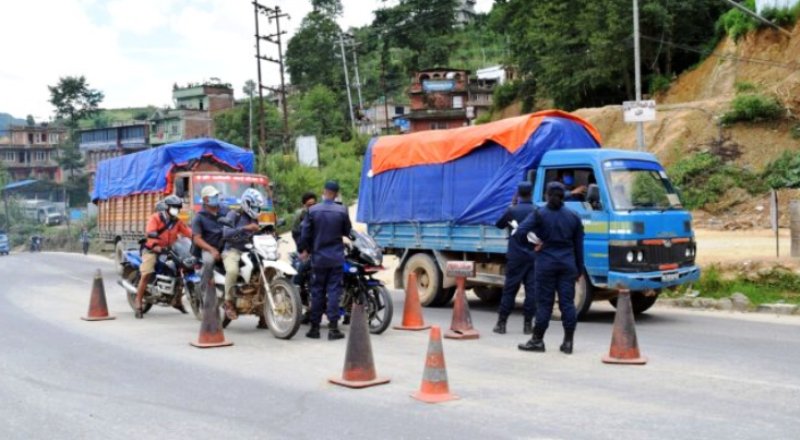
<point>174,201</point>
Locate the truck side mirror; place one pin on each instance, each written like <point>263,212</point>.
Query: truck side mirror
<point>593,197</point>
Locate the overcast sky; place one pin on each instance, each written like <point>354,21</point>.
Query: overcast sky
<point>134,50</point>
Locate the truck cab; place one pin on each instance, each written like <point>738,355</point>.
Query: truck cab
<point>638,236</point>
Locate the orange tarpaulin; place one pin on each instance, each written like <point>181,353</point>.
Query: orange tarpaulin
<point>441,146</point>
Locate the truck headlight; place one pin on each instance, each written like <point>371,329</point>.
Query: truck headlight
<point>639,256</point>
<point>629,256</point>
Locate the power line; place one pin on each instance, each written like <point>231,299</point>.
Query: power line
<point>276,15</point>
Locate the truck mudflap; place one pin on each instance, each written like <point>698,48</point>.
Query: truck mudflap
<point>653,280</point>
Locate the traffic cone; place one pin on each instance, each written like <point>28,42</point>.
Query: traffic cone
<point>98,309</point>
<point>624,346</point>
<point>359,368</point>
<point>434,388</point>
<point>211,334</point>
<point>412,309</point>
<point>461,326</point>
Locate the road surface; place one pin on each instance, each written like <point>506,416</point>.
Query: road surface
<point>710,375</point>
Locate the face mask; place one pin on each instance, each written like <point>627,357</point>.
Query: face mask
<point>174,212</point>
<point>569,180</point>
<point>213,201</point>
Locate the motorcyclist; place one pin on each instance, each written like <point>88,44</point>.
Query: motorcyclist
<point>207,236</point>
<point>162,231</point>
<point>237,232</point>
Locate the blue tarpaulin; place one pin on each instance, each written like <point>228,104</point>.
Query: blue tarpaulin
<point>149,170</point>
<point>471,190</point>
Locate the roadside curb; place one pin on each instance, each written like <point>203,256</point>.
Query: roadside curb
<point>735,303</point>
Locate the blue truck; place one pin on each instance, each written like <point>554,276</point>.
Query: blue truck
<point>433,197</point>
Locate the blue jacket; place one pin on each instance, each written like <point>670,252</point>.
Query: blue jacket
<point>323,228</point>
<point>518,245</point>
<point>236,237</point>
<point>561,232</point>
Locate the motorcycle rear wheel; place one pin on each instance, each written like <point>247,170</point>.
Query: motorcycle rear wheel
<point>284,319</point>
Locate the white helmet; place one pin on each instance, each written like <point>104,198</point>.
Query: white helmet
<point>252,201</point>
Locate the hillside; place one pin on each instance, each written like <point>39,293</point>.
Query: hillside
<point>6,120</point>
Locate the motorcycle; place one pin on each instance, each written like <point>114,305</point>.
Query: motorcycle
<point>174,273</point>
<point>36,244</point>
<point>363,259</point>
<point>263,287</point>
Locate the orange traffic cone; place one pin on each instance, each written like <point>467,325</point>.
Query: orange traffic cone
<point>98,309</point>
<point>461,326</point>
<point>211,334</point>
<point>359,368</point>
<point>434,388</point>
<point>624,346</point>
<point>412,309</point>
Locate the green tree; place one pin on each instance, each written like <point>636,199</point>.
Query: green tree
<point>331,8</point>
<point>424,27</point>
<point>318,112</point>
<point>232,125</point>
<point>29,121</point>
<point>311,55</point>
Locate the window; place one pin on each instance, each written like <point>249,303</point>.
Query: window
<point>41,156</point>
<point>200,103</point>
<point>9,156</point>
<point>30,138</point>
<point>439,126</point>
<point>399,110</point>
<point>43,138</point>
<point>575,180</point>
<point>53,138</point>
<point>458,101</point>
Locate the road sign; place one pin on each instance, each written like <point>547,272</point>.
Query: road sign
<point>639,111</point>
<point>307,151</point>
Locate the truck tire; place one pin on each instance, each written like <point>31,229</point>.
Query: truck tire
<point>119,256</point>
<point>583,295</point>
<point>639,301</point>
<point>489,294</point>
<point>429,279</point>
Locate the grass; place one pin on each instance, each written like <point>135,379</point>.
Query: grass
<point>772,286</point>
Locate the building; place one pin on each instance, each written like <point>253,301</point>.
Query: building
<point>375,122</point>
<point>98,144</point>
<point>481,88</point>
<point>465,12</point>
<point>193,115</point>
<point>31,152</point>
<point>438,99</point>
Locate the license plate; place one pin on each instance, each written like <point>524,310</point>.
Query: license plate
<point>670,276</point>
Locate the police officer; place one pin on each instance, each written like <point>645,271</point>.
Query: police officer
<point>323,229</point>
<point>519,261</point>
<point>559,264</point>
<point>207,237</point>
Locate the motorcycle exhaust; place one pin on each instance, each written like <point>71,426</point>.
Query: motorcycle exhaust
<point>127,286</point>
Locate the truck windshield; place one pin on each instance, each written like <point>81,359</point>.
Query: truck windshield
<point>51,210</point>
<point>231,186</point>
<point>640,185</point>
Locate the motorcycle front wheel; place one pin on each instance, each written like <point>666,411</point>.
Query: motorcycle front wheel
<point>284,319</point>
<point>379,309</point>
<point>133,277</point>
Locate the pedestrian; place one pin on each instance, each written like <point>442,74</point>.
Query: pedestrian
<point>207,239</point>
<point>163,228</point>
<point>520,259</point>
<point>85,240</point>
<point>308,200</point>
<point>559,264</point>
<point>323,229</point>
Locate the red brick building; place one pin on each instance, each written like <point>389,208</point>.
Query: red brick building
<point>30,152</point>
<point>438,99</point>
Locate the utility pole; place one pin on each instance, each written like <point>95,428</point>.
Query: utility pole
<point>354,47</point>
<point>261,133</point>
<point>347,81</point>
<point>384,55</point>
<point>273,14</point>
<point>638,73</point>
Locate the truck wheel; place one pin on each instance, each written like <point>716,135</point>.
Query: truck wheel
<point>583,298</point>
<point>489,294</point>
<point>639,301</point>
<point>119,256</point>
<point>429,278</point>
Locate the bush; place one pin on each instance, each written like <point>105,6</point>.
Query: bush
<point>504,95</point>
<point>782,16</point>
<point>483,118</point>
<point>704,178</point>
<point>753,107</point>
<point>659,84</point>
<point>795,130</point>
<point>736,23</point>
<point>744,86</point>
<point>783,172</point>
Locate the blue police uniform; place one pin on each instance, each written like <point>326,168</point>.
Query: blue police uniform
<point>558,263</point>
<point>323,228</point>
<point>520,259</point>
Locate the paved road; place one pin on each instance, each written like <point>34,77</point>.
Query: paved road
<point>710,375</point>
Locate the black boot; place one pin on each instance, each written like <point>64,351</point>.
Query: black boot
<point>500,328</point>
<point>313,332</point>
<point>566,346</point>
<point>536,343</point>
<point>333,332</point>
<point>527,326</point>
